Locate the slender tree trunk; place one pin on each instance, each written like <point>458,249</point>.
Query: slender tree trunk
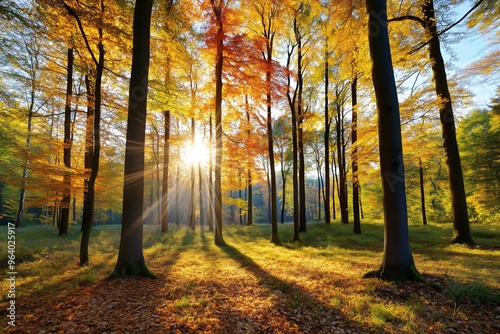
<point>300,138</point>
<point>283,193</point>
<point>327,138</point>
<point>211,180</point>
<point>88,208</point>
<point>218,126</point>
<point>201,195</point>
<point>89,217</point>
<point>130,256</point>
<point>22,196</point>
<point>354,138</point>
<point>293,111</point>
<point>249,172</point>
<point>166,163</point>
<point>342,182</point>
<point>422,192</point>
<point>192,210</point>
<point>65,203</point>
<point>270,142</point>
<point>397,262</point>
<point>461,227</point>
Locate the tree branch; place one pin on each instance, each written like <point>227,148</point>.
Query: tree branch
<point>80,26</point>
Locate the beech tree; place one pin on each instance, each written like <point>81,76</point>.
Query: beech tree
<point>130,256</point>
<point>397,262</point>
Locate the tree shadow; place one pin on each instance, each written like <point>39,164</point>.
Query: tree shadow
<point>290,297</point>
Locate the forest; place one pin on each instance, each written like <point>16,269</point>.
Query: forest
<point>273,149</point>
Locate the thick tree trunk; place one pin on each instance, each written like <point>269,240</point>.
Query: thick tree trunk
<point>461,227</point>
<point>354,138</point>
<point>166,162</point>
<point>397,263</point>
<point>65,203</point>
<point>130,256</point>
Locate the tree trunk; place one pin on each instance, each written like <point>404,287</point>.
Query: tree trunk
<point>283,193</point>
<point>354,138</point>
<point>342,181</point>
<point>327,140</point>
<point>293,111</point>
<point>192,210</point>
<point>166,162</point>
<point>211,180</point>
<point>89,217</point>
<point>422,192</point>
<point>88,206</point>
<point>65,203</point>
<point>397,263</point>
<point>130,256</point>
<point>300,139</point>
<point>461,228</point>
<point>22,196</point>
<point>272,170</point>
<point>249,173</point>
<point>219,241</point>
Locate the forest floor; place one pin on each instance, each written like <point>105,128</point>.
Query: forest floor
<point>253,286</point>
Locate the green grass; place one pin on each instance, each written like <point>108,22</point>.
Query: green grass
<point>326,264</point>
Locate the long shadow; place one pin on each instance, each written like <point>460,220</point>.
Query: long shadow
<point>291,295</point>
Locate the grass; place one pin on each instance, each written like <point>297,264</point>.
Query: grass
<point>325,267</point>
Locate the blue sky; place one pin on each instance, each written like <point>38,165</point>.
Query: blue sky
<point>468,50</point>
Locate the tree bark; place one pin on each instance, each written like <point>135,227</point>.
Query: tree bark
<point>327,139</point>
<point>397,262</point>
<point>219,241</point>
<point>192,210</point>
<point>422,192</point>
<point>211,179</point>
<point>249,173</point>
<point>354,157</point>
<point>88,218</point>
<point>130,256</point>
<point>65,203</point>
<point>461,227</point>
<point>300,134</point>
<point>295,183</point>
<point>166,162</point>
<point>342,180</point>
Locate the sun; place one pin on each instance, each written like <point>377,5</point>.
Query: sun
<point>197,153</point>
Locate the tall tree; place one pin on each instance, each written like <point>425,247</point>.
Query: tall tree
<point>461,228</point>
<point>397,262</point>
<point>218,8</point>
<point>268,12</point>
<point>428,21</point>
<point>65,203</point>
<point>130,257</point>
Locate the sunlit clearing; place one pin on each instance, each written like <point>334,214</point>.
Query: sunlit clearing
<point>199,153</point>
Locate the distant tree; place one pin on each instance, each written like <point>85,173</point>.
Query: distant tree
<point>130,257</point>
<point>397,262</point>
